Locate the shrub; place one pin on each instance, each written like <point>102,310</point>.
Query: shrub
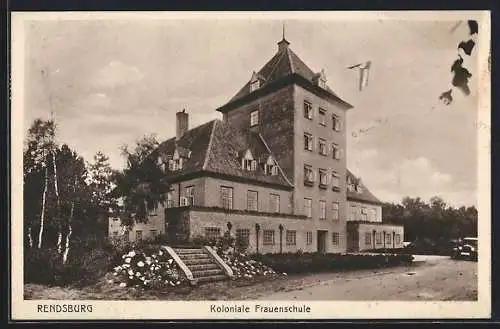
<point>319,262</point>
<point>88,261</point>
<point>148,269</point>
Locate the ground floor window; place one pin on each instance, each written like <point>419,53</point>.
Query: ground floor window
<point>291,238</point>
<point>397,239</point>
<point>368,239</point>
<point>138,235</point>
<point>243,236</point>
<point>378,238</point>
<point>388,239</point>
<point>335,238</point>
<point>153,233</point>
<point>212,233</point>
<point>309,238</point>
<point>268,237</point>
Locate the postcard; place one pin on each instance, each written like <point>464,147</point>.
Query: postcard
<point>250,165</point>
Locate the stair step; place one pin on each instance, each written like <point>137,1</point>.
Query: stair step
<point>203,267</point>
<point>212,278</point>
<point>203,273</point>
<point>194,256</point>
<point>189,251</point>
<point>197,261</point>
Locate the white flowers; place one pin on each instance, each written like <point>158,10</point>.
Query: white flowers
<point>123,285</point>
<point>140,264</point>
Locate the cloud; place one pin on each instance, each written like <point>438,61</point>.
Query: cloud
<point>117,74</point>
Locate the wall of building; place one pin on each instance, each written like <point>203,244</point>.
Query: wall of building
<point>213,195</point>
<point>276,111</point>
<point>317,161</point>
<point>199,220</point>
<point>199,191</point>
<point>354,211</point>
<point>364,229</point>
<point>156,222</point>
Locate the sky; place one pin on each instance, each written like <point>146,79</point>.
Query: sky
<point>110,82</point>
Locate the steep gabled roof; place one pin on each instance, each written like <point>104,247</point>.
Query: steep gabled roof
<point>365,195</point>
<point>283,64</point>
<point>215,147</point>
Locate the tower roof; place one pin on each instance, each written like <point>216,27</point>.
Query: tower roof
<point>284,63</point>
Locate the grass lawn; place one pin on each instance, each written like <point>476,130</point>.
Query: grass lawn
<point>226,290</point>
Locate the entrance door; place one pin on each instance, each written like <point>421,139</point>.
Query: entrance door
<point>322,241</point>
<point>352,240</point>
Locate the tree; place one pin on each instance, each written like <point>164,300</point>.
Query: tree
<point>39,146</point>
<point>141,184</point>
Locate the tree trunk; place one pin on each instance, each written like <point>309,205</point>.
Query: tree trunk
<point>42,216</point>
<point>58,208</point>
<point>70,228</point>
<point>30,238</point>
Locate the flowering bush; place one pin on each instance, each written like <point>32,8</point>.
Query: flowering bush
<point>155,270</point>
<point>239,262</point>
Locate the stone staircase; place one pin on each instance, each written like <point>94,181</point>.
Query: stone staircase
<point>203,264</point>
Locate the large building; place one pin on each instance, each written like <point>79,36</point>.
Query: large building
<point>273,171</point>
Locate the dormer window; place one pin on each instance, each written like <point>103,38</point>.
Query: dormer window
<point>176,162</point>
<point>254,118</point>
<point>320,79</point>
<point>254,85</point>
<point>270,167</point>
<point>322,83</point>
<point>359,188</point>
<point>247,162</point>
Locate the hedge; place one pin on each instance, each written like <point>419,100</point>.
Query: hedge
<point>318,262</point>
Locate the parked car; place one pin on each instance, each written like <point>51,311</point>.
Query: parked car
<point>466,249</point>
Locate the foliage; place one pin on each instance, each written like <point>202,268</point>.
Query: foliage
<point>140,184</point>
<point>434,222</point>
<point>90,261</point>
<point>148,269</point>
<point>321,262</point>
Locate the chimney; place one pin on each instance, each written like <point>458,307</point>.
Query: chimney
<point>182,123</point>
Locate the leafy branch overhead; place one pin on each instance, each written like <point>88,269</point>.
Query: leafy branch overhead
<point>461,74</point>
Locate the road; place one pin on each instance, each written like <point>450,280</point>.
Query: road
<point>431,278</point>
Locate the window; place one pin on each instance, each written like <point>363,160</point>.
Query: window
<point>353,213</point>
<point>323,178</point>
<point>170,199</point>
<point>368,239</point>
<point>322,83</point>
<point>189,194</point>
<point>126,235</point>
<point>254,85</point>
<point>397,239</point>
<point>373,214</point>
<point>322,146</point>
<point>388,239</point>
<point>308,175</point>
<point>309,238</point>
<point>335,238</point>
<point>378,238</point>
<point>249,164</point>
<point>359,188</point>
<point>337,153</point>
<point>268,237</point>
<point>308,111</point>
<point>308,142</point>
<point>336,123</point>
<point>322,209</point>
<point>270,167</point>
<point>115,234</point>
<point>322,116</point>
<point>335,211</point>
<point>254,118</point>
<point>175,164</point>
<point>291,238</point>
<point>243,236</point>
<point>335,181</point>
<point>138,235</point>
<point>212,233</point>
<point>274,202</point>
<point>153,233</point>
<point>364,214</point>
<point>226,197</point>
<point>308,207</point>
<point>252,200</point>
